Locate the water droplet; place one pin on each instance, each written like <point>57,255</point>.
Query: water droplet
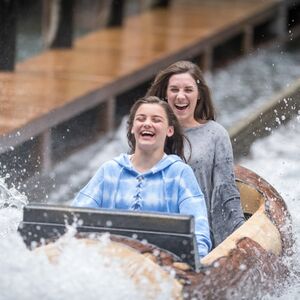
<point>109,223</point>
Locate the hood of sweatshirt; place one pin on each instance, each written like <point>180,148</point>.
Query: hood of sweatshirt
<point>124,161</point>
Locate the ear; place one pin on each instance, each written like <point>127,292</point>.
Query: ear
<point>170,131</point>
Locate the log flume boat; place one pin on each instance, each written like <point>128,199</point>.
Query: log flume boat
<point>161,248</point>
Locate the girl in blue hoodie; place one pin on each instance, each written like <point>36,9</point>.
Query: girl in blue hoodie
<point>154,176</point>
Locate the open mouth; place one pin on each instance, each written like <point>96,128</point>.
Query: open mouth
<point>181,106</point>
<point>147,133</point>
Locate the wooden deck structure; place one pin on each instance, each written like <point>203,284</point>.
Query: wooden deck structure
<point>58,86</point>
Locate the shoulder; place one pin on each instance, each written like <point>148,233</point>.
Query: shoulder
<point>110,164</point>
<point>210,132</point>
<point>209,128</point>
<point>216,132</point>
<point>115,163</point>
<point>222,141</point>
<point>108,167</point>
<point>180,173</point>
<point>173,160</point>
<point>177,164</point>
<point>217,129</point>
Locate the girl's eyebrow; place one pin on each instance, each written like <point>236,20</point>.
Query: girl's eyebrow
<point>152,116</point>
<point>174,85</point>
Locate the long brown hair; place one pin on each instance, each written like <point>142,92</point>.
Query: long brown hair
<point>174,144</point>
<point>204,109</point>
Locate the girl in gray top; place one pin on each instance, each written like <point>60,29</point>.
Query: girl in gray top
<point>183,86</point>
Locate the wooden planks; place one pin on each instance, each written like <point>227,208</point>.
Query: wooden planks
<point>26,96</point>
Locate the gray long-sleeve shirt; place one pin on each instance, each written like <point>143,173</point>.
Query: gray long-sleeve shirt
<point>212,161</point>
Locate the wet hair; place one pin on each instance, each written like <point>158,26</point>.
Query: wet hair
<point>204,108</point>
<point>175,143</point>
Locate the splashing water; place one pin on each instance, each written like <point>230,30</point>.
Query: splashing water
<point>243,86</point>
<point>11,197</point>
<point>277,159</point>
<point>11,203</point>
<point>79,270</point>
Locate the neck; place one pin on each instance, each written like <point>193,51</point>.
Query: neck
<point>143,161</point>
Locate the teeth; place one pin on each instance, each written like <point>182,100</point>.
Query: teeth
<point>181,106</point>
<point>147,133</point>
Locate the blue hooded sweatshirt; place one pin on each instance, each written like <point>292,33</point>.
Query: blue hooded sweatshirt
<point>170,186</point>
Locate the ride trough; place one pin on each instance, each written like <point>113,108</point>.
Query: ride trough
<point>161,248</point>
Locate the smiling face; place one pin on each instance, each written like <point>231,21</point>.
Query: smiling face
<point>182,95</point>
<point>151,127</point>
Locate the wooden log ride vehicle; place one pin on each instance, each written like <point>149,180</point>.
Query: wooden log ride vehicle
<point>161,248</point>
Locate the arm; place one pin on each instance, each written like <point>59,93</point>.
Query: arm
<point>91,194</point>
<point>191,202</point>
<point>227,214</point>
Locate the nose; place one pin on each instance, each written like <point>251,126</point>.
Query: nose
<point>147,122</point>
<point>180,94</point>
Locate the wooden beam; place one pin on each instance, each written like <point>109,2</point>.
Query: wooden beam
<point>46,151</point>
<point>161,3</point>
<point>116,14</point>
<point>8,20</point>
<point>248,39</point>
<point>58,23</point>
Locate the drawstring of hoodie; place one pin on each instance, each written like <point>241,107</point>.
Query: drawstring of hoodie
<point>137,204</point>
<point>164,180</point>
